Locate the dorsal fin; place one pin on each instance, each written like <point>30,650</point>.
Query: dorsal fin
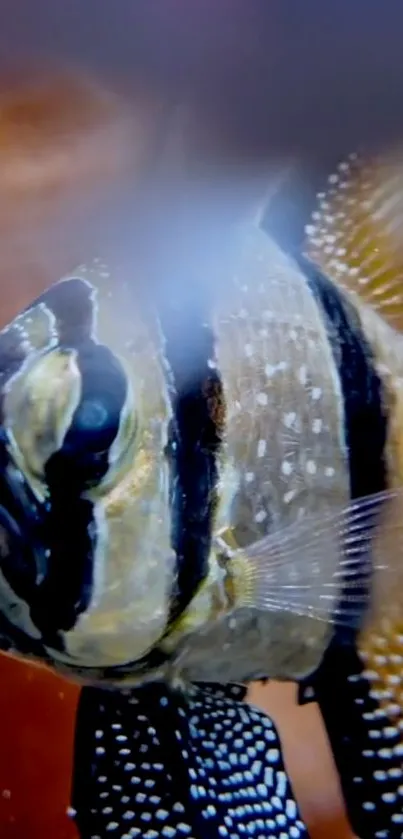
<point>353,233</point>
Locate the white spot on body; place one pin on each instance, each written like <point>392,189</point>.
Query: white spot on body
<point>380,775</point>
<point>389,797</point>
<point>272,369</point>
<point>289,419</point>
<point>317,425</point>
<point>303,374</point>
<point>286,467</point>
<point>162,815</point>
<point>311,467</point>
<point>261,448</point>
<point>390,731</point>
<point>262,399</point>
<point>393,679</point>
<point>291,809</point>
<point>281,784</point>
<point>397,818</point>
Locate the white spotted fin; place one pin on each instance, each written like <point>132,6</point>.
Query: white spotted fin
<point>164,762</point>
<point>355,231</point>
<point>345,568</point>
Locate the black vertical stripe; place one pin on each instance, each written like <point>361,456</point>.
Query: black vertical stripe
<point>71,302</point>
<point>193,445</point>
<point>69,529</point>
<point>339,686</point>
<point>365,421</point>
<point>81,462</point>
<point>70,532</point>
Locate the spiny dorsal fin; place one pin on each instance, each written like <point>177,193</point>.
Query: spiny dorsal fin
<point>354,231</point>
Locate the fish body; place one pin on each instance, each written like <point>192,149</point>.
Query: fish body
<point>212,491</point>
<point>162,568</point>
<point>84,431</point>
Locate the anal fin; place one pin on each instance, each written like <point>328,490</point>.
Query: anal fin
<point>200,764</point>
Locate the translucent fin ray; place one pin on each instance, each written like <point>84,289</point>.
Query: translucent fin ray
<point>332,567</point>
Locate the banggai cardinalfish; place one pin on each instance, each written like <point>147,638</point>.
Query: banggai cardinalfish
<point>212,493</point>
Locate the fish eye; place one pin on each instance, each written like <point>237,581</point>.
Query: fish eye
<point>70,415</point>
<point>97,419</point>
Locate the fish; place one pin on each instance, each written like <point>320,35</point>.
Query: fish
<point>166,758</point>
<point>206,488</point>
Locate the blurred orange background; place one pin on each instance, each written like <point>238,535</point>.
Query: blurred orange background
<point>37,713</point>
<point>60,135</point>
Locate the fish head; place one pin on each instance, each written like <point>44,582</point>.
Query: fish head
<point>86,565</point>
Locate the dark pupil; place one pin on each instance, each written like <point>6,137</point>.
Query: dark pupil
<point>96,421</point>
